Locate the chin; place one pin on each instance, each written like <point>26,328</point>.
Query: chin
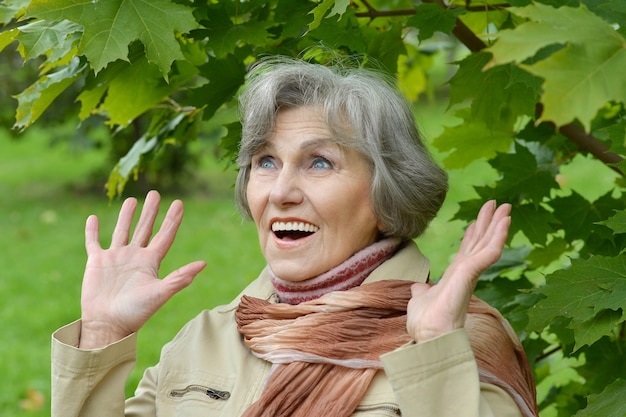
<point>293,273</point>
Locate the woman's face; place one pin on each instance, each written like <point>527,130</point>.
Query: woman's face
<point>309,197</point>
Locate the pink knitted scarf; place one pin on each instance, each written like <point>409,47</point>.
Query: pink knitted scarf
<point>349,274</point>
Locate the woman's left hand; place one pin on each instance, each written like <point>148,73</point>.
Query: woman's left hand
<point>438,309</point>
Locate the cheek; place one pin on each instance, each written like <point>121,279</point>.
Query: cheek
<point>253,200</point>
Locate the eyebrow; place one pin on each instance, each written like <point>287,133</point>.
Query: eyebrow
<point>312,143</point>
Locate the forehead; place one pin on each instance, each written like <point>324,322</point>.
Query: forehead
<point>314,124</point>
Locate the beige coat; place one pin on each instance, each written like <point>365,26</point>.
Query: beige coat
<point>206,370</point>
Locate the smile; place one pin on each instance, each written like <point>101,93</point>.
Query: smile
<point>293,230</point>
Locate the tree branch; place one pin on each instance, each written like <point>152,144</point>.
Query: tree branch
<point>372,13</point>
<point>585,141</point>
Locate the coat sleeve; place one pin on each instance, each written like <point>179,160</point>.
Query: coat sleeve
<point>90,382</point>
<point>440,378</point>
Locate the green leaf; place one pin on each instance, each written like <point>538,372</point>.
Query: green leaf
<point>612,11</point>
<point>522,178</point>
<point>499,95</point>
<point>224,76</point>
<point>340,8</point>
<point>576,215</point>
<point>346,34</point>
<point>510,297</point>
<point>33,101</point>
<point>542,256</point>
<point>90,99</point>
<point>585,77</point>
<point>385,46</point>
<point>602,324</point>
<point>615,135</point>
<point>609,403</point>
<point>470,141</point>
<point>547,26</point>
<point>128,164</point>
<point>293,16</point>
<point>511,258</point>
<point>432,17</point>
<point>39,37</point>
<point>584,293</point>
<point>319,12</point>
<point>606,360</point>
<point>111,26</point>
<point>7,37</point>
<point>617,223</point>
<point>11,9</point>
<point>226,36</point>
<point>134,90</point>
<point>230,141</point>
<point>585,74</point>
<point>532,220</point>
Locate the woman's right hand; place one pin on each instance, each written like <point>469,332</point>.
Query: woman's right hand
<point>121,287</point>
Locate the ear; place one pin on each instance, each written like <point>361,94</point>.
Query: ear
<point>381,230</point>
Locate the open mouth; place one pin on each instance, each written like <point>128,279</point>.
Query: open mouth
<point>293,230</point>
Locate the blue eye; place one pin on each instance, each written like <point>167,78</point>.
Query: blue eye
<point>265,162</point>
<point>321,163</point>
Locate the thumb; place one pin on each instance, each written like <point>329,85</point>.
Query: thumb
<point>419,288</point>
<point>181,278</point>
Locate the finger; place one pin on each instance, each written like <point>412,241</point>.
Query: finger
<point>473,262</point>
<point>498,236</point>
<point>496,232</point>
<point>145,225</point>
<point>476,229</point>
<point>124,220</point>
<point>496,224</point>
<point>164,238</point>
<point>181,278</point>
<point>92,234</point>
<point>483,220</point>
<point>480,233</point>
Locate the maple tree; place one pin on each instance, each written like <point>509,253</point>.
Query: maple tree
<point>540,86</point>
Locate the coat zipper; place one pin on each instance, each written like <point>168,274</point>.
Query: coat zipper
<point>392,408</point>
<point>210,392</point>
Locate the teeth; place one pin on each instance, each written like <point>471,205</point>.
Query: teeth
<point>294,226</point>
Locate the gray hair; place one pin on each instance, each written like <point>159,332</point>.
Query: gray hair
<point>363,111</point>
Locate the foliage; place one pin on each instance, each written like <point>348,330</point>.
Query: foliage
<point>539,88</point>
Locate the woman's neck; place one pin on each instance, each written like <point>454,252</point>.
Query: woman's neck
<point>349,274</point>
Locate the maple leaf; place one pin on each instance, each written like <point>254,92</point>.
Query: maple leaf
<point>592,293</point>
<point>617,223</point>
<point>586,73</point>
<point>33,101</point>
<point>609,403</point>
<point>338,8</point>
<point>470,141</point>
<point>111,26</point>
<point>433,17</point>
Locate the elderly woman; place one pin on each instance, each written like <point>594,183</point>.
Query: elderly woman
<point>342,321</point>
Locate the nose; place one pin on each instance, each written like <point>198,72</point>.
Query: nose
<point>286,189</point>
